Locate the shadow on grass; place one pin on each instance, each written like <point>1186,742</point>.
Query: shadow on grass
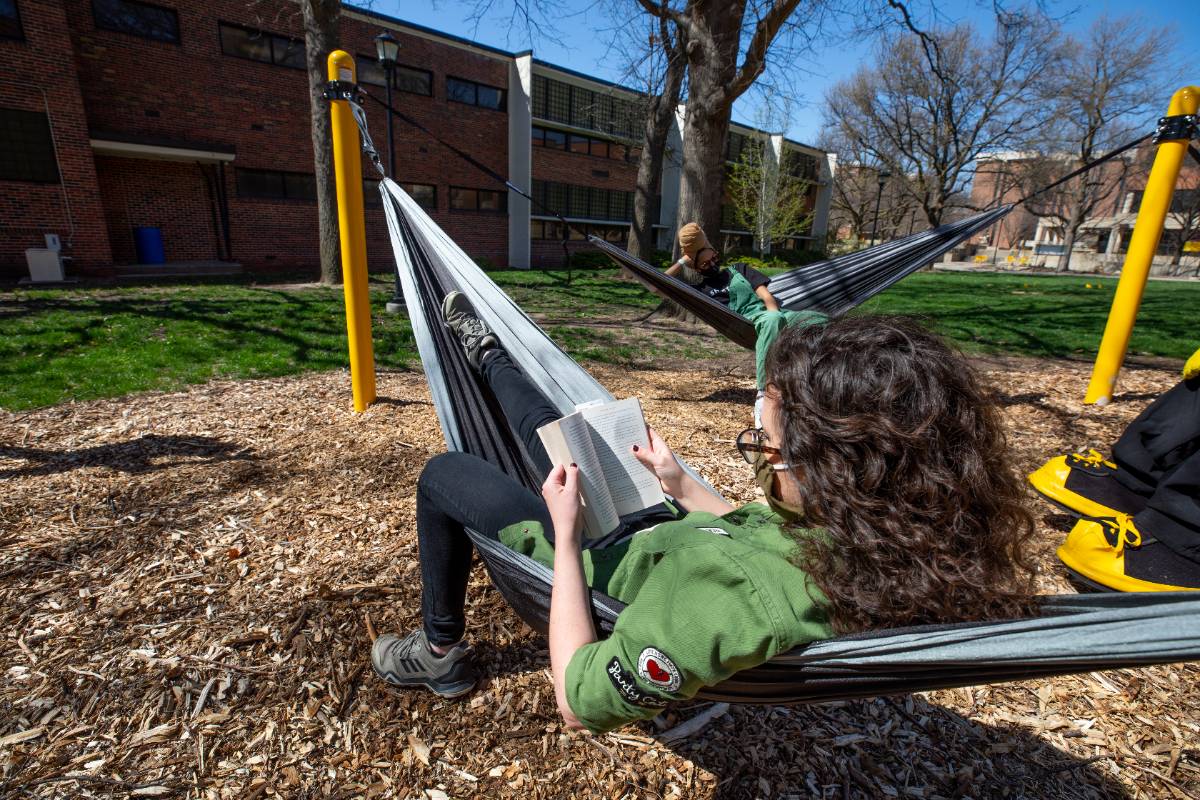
<point>145,454</point>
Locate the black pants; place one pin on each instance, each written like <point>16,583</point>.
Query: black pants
<point>458,490</point>
<point>1159,458</point>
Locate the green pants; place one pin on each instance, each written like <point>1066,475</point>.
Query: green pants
<point>767,325</point>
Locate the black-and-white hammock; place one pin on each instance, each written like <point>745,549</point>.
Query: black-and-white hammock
<point>1075,633</point>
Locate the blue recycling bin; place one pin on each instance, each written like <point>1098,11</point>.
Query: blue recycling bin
<point>149,243</point>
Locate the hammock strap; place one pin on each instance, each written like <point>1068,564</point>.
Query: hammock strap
<point>484,168</point>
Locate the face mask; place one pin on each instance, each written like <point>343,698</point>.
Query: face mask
<point>764,476</point>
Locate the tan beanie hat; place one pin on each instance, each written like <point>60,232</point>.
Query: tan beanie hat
<point>692,240</point>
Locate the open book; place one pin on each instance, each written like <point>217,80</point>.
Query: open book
<point>612,482</point>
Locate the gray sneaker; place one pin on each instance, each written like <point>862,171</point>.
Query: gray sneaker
<point>475,335</point>
<point>410,662</point>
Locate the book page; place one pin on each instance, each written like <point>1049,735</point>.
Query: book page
<point>566,441</point>
<point>615,428</point>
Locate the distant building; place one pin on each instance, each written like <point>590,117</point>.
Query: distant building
<point>193,118</point>
<point>1103,238</point>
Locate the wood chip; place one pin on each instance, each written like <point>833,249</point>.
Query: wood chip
<point>142,656</point>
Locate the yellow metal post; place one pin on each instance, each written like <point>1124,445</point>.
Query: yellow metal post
<point>347,163</point>
<point>1156,201</point>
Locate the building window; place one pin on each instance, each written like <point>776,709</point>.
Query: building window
<point>256,45</point>
<point>266,184</point>
<point>407,79</point>
<point>550,230</point>
<point>26,147</point>
<point>799,165</point>
<point>557,101</point>
<point>424,193</point>
<point>582,202</point>
<point>463,199</point>
<point>136,18</point>
<point>10,20</point>
<point>586,145</point>
<point>474,94</point>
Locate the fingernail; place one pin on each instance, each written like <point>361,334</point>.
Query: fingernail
<point>573,464</point>
<point>635,448</point>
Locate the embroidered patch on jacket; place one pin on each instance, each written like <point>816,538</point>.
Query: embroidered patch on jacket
<point>658,670</point>
<point>717,531</point>
<point>623,681</point>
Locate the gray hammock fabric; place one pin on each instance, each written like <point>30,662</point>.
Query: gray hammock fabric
<point>832,287</point>
<point>1075,633</point>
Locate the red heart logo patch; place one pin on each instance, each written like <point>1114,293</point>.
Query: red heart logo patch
<point>657,673</point>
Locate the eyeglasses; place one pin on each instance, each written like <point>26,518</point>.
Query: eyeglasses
<point>750,441</point>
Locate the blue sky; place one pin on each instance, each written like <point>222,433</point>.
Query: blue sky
<point>584,42</point>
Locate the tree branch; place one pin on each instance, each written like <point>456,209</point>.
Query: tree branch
<point>755,60</point>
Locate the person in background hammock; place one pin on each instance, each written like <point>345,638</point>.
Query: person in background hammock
<point>744,290</point>
<point>890,501</point>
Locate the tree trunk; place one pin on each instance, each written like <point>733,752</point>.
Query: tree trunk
<point>712,55</point>
<point>704,132</point>
<point>320,38</point>
<point>659,120</point>
<point>1064,261</point>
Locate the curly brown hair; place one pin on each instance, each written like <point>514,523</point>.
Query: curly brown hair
<point>901,457</point>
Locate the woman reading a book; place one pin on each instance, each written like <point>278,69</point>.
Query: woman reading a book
<point>890,501</point>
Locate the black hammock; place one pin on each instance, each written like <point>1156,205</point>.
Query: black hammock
<point>1074,633</point>
<point>832,287</point>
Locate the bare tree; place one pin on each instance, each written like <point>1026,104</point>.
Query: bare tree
<point>936,101</point>
<point>658,65</point>
<point>1185,212</point>
<point>856,193</point>
<point>727,47</point>
<point>1111,88</point>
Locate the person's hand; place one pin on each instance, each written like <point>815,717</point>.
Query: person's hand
<point>561,493</point>
<point>659,459</point>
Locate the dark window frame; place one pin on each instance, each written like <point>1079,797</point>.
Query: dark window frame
<point>19,36</point>
<point>27,171</point>
<point>615,150</point>
<point>269,36</point>
<point>577,202</point>
<point>501,200</point>
<point>397,85</point>
<point>134,4</point>
<point>283,176</point>
<point>591,109</point>
<point>411,184</point>
<point>475,86</point>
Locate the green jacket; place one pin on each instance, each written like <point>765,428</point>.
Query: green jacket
<point>707,596</point>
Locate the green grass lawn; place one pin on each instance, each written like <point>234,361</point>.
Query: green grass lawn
<point>1044,316</point>
<point>80,344</point>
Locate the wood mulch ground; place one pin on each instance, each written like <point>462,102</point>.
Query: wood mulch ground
<point>185,581</point>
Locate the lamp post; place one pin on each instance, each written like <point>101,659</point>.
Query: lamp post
<point>387,48</point>
<point>882,177</point>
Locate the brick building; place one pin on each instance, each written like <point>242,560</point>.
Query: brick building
<point>1032,234</point>
<point>192,118</point>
